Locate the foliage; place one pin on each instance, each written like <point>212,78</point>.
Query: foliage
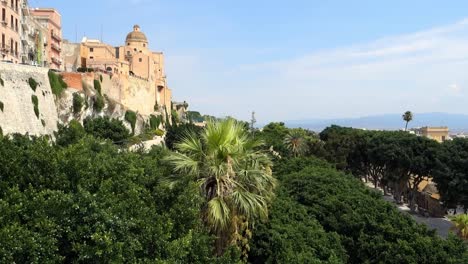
<point>100,77</point>
<point>89,202</point>
<point>1,106</point>
<point>370,229</point>
<point>97,86</point>
<point>175,117</point>
<point>56,83</point>
<point>194,116</point>
<point>78,102</point>
<point>43,122</point>
<point>155,121</point>
<point>158,132</point>
<point>70,134</point>
<point>131,118</point>
<point>98,103</point>
<point>32,83</point>
<point>295,142</point>
<point>155,107</point>
<point>174,134</point>
<point>461,223</point>
<point>2,83</point>
<point>407,117</point>
<point>35,102</point>
<point>235,179</point>
<point>273,135</point>
<point>451,172</point>
<point>106,128</point>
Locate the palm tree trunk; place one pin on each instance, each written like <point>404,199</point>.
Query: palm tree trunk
<point>406,127</point>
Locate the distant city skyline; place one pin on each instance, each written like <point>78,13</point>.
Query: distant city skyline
<point>300,60</point>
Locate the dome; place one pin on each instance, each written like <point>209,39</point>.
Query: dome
<point>136,35</point>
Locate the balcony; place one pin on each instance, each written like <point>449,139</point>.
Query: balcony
<point>24,23</point>
<point>57,61</point>
<point>56,47</point>
<point>5,2</point>
<point>56,37</point>
<point>4,23</point>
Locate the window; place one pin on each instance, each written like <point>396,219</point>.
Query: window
<point>144,45</point>
<point>12,4</point>
<point>16,24</point>
<point>135,49</point>
<point>11,45</point>
<point>16,5</point>
<point>91,58</point>
<point>91,49</point>
<point>16,48</point>
<point>3,14</point>
<point>3,41</point>
<point>128,44</point>
<point>12,22</point>
<point>140,51</point>
<point>140,60</point>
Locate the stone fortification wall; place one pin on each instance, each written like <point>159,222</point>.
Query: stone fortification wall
<point>18,115</point>
<point>139,95</point>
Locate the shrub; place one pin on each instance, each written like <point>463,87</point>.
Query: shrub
<point>131,118</point>
<point>35,102</point>
<point>97,86</point>
<point>43,122</point>
<point>77,103</point>
<point>90,70</point>
<point>156,107</point>
<point>71,134</point>
<point>159,132</point>
<point>155,121</point>
<point>1,106</point>
<point>81,69</point>
<point>106,128</point>
<point>56,83</point>
<point>1,81</point>
<point>100,77</point>
<point>98,103</point>
<point>32,83</point>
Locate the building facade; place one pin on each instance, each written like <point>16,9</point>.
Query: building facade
<point>439,134</point>
<point>133,60</point>
<point>33,38</point>
<point>10,30</point>
<point>51,20</point>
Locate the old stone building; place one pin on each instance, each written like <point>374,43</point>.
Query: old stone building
<point>51,20</point>
<point>10,30</point>
<point>137,73</point>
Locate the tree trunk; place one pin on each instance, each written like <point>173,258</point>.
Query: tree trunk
<point>406,127</point>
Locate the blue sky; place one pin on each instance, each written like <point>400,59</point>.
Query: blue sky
<point>295,59</point>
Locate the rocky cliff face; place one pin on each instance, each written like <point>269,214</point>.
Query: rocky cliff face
<point>16,96</point>
<point>38,112</point>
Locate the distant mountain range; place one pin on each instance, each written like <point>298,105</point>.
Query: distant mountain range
<point>455,122</point>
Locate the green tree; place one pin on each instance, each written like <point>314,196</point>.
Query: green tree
<point>234,177</point>
<point>295,141</point>
<point>407,117</point>
<point>106,128</point>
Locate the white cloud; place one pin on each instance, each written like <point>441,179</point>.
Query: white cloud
<point>385,75</point>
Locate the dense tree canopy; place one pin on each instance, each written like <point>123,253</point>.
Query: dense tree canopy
<point>90,202</point>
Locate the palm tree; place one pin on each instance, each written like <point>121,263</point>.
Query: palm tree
<point>295,141</point>
<point>408,117</point>
<point>234,177</point>
<point>461,223</point>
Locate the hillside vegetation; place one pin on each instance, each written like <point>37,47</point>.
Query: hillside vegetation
<point>222,197</point>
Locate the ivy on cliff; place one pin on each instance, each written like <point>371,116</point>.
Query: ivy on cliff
<point>32,83</point>
<point>77,103</point>
<point>1,106</point>
<point>35,102</point>
<point>57,84</point>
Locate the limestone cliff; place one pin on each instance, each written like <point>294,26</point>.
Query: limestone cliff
<point>16,96</point>
<point>18,100</point>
